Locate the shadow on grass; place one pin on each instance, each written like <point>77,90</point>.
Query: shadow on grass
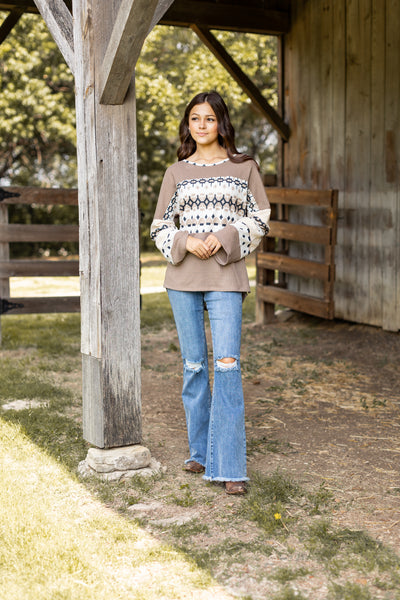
<point>40,353</point>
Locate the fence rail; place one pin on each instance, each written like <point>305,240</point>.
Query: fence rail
<point>14,233</point>
<point>274,262</point>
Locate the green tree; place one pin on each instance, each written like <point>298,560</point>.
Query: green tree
<point>37,128</point>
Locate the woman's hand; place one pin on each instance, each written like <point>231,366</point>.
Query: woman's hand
<point>213,244</point>
<point>197,247</point>
<point>202,249</point>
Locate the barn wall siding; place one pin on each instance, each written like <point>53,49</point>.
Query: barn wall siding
<point>342,100</point>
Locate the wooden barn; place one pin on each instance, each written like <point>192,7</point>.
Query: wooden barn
<point>338,122</point>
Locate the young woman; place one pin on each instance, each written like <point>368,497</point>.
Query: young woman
<point>218,198</point>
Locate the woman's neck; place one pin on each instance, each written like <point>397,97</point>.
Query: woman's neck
<point>209,155</point>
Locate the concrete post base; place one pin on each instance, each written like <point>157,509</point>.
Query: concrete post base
<point>117,464</point>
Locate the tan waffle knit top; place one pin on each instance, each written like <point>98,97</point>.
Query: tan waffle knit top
<point>225,198</point>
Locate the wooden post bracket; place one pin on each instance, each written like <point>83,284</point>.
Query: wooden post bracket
<point>9,22</point>
<point>134,20</point>
<point>243,81</point>
<point>59,21</point>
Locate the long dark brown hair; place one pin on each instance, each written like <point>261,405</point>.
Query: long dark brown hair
<point>226,132</point>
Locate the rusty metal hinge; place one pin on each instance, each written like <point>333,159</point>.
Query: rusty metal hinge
<point>6,305</point>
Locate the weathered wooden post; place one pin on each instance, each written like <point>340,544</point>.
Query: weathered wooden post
<point>107,39</point>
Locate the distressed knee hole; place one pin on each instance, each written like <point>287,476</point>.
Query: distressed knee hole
<point>192,365</point>
<point>227,363</point>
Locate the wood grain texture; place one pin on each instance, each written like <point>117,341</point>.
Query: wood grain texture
<point>38,268</point>
<point>48,304</point>
<point>59,21</point>
<point>342,98</point>
<point>4,256</point>
<point>39,233</point>
<point>296,266</point>
<point>4,252</point>
<point>36,195</point>
<point>275,262</point>
<point>310,234</point>
<point>109,238</point>
<point>267,20</point>
<point>296,301</point>
<point>130,28</point>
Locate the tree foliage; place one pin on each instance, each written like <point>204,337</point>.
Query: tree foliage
<point>37,128</point>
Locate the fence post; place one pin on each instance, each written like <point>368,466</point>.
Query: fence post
<point>4,256</point>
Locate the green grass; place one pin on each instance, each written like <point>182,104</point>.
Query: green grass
<point>349,591</point>
<point>60,543</point>
<point>285,574</point>
<point>288,594</point>
<point>264,444</point>
<point>267,500</point>
<point>52,335</point>
<point>20,381</point>
<point>345,548</point>
<point>185,497</point>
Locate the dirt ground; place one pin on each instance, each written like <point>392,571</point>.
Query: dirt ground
<point>322,406</point>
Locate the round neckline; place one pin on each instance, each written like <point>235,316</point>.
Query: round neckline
<point>198,164</point>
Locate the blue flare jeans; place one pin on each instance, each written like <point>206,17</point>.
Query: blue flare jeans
<point>215,422</point>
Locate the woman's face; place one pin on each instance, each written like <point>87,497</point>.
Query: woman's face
<point>203,124</point>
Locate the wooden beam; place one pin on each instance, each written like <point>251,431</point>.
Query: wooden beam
<point>28,6</point>
<point>109,240</point>
<point>162,6</point>
<point>14,194</point>
<point>46,304</point>
<point>39,233</point>
<point>243,81</point>
<point>314,234</point>
<point>296,301</point>
<point>130,29</point>
<point>299,197</point>
<point>9,23</point>
<point>296,266</point>
<point>39,268</point>
<point>230,17</point>
<point>271,19</point>
<point>59,21</point>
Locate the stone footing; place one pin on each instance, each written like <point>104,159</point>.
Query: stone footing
<point>116,464</point>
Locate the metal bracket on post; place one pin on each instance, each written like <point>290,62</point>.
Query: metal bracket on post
<point>4,194</point>
<point>6,305</point>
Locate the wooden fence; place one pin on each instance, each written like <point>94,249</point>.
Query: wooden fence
<point>11,233</point>
<point>274,261</point>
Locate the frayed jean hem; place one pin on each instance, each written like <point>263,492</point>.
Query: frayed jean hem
<point>223,479</point>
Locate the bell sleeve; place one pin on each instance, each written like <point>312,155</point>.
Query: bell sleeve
<point>169,240</point>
